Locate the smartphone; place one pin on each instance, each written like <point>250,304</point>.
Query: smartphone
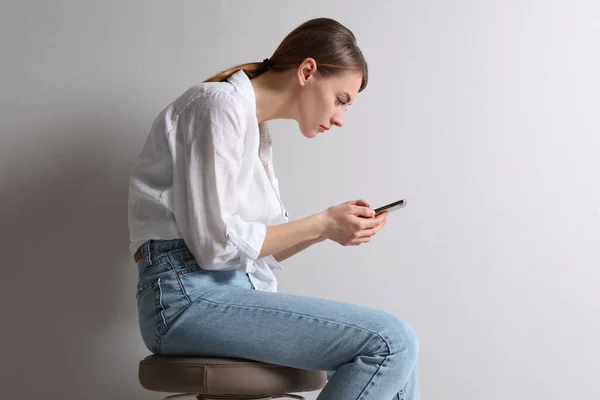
<point>391,207</point>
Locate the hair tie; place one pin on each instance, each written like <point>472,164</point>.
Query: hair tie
<point>267,63</point>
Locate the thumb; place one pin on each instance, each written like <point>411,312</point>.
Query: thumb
<point>362,211</point>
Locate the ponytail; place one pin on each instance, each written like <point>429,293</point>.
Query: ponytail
<point>251,69</point>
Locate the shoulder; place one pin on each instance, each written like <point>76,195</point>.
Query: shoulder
<point>211,111</point>
<point>213,100</point>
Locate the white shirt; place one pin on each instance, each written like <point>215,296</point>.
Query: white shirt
<point>206,175</point>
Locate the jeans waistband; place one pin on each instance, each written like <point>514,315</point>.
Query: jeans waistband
<point>154,246</point>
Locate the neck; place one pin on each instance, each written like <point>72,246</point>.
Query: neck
<point>274,97</point>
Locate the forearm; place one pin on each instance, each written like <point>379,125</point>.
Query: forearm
<point>293,250</point>
<point>291,234</point>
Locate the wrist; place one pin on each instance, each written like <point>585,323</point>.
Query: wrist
<point>318,224</point>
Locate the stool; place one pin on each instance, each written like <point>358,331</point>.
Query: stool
<point>226,378</point>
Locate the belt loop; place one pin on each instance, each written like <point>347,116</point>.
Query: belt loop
<point>147,246</point>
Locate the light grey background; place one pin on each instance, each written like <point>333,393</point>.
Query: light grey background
<point>483,114</point>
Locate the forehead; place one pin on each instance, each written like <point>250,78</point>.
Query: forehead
<point>347,82</point>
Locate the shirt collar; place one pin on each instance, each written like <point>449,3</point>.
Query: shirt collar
<point>242,84</point>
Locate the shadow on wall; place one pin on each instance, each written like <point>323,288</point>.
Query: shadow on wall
<point>69,308</point>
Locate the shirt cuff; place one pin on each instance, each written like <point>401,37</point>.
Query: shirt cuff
<point>247,236</point>
<point>272,262</point>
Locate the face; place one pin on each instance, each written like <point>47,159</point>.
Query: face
<point>324,100</point>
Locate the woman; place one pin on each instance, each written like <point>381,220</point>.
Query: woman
<point>207,225</point>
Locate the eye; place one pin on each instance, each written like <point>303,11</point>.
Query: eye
<point>341,102</point>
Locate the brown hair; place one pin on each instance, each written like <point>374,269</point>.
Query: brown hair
<point>329,43</point>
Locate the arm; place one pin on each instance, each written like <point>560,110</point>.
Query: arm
<point>205,189</point>
<point>285,240</point>
<point>291,251</point>
<point>291,237</point>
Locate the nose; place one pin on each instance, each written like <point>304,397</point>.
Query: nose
<point>338,120</point>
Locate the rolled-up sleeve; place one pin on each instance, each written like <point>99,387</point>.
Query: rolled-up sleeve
<point>208,214</point>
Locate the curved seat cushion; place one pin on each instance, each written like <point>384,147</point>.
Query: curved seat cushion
<point>202,375</point>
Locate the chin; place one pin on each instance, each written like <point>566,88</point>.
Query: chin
<point>309,134</point>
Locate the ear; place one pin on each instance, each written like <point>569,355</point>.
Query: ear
<point>306,71</point>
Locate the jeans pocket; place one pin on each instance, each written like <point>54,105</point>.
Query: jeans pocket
<point>151,314</point>
<point>196,281</point>
<point>190,274</point>
<point>145,267</point>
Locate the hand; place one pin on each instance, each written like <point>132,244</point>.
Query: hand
<point>352,223</point>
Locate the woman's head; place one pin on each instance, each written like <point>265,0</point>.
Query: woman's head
<point>327,65</point>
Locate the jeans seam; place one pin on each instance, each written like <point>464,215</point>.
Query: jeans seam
<point>303,315</point>
<point>370,383</point>
<point>179,280</point>
<point>162,308</point>
<point>157,336</point>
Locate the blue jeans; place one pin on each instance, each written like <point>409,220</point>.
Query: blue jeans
<point>185,310</point>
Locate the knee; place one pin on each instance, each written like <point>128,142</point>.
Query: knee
<point>399,337</point>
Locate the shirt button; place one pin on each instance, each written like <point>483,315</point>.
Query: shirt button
<point>286,214</point>
<point>229,235</point>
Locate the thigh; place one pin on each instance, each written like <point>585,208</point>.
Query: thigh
<point>284,329</point>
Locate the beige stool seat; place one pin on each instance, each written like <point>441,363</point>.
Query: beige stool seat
<point>226,378</point>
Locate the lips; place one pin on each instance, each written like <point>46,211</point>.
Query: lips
<point>322,128</point>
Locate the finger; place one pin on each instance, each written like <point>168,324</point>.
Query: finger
<point>373,222</point>
<point>372,231</point>
<point>361,211</point>
<point>361,240</point>
<point>360,202</point>
<point>383,213</point>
